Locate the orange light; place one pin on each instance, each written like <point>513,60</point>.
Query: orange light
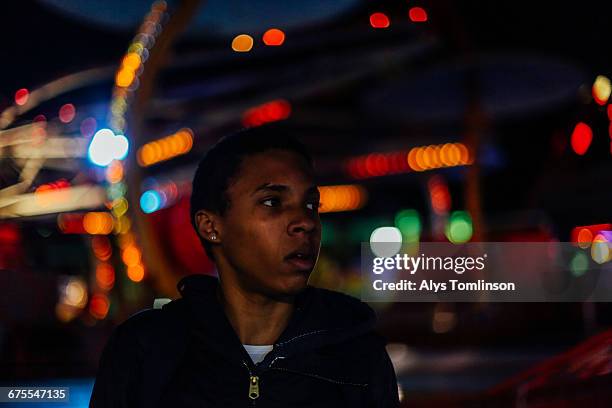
<point>114,172</point>
<point>99,305</point>
<point>131,255</point>
<point>342,198</point>
<point>379,20</point>
<point>165,148</point>
<point>131,61</point>
<point>242,43</point>
<point>124,77</point>
<point>417,15</point>
<point>98,223</point>
<point>136,272</point>
<point>274,37</point>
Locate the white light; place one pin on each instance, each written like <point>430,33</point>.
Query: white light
<point>105,147</point>
<point>386,241</point>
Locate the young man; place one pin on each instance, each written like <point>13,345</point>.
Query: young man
<point>258,335</point>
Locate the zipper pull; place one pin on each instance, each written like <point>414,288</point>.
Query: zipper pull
<point>253,387</point>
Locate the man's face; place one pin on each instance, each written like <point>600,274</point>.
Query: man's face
<point>272,230</point>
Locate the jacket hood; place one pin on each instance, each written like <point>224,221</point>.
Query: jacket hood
<point>321,317</point>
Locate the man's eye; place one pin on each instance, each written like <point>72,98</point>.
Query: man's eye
<point>271,202</point>
<point>313,206</point>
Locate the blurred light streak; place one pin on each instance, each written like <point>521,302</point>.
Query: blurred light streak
<point>165,148</point>
<point>420,158</point>
<point>338,198</point>
<point>98,223</point>
<point>272,111</point>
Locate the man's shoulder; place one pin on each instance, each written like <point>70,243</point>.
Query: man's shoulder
<point>147,325</point>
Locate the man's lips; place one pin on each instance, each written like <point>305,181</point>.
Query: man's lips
<point>302,258</point>
<point>301,263</point>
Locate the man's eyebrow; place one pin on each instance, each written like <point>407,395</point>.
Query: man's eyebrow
<point>281,188</point>
<point>271,187</point>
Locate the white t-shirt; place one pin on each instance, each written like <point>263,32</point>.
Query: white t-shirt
<point>258,353</point>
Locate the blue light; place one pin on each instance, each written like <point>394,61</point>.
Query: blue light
<point>150,201</point>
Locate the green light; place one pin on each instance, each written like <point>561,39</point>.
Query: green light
<point>409,223</point>
<point>459,228</point>
<point>579,264</point>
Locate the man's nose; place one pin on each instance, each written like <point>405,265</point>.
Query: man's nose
<point>302,222</point>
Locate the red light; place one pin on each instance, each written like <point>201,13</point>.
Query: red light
<point>417,15</point>
<point>610,112</point>
<point>274,37</point>
<point>21,96</point>
<point>268,112</point>
<point>379,20</point>
<point>581,138</point>
<point>67,112</point>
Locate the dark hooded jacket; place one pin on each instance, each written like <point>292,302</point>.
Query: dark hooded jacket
<point>188,355</point>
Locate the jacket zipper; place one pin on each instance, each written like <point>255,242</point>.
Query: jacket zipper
<point>253,384</point>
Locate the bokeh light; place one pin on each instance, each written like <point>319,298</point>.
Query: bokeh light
<point>459,228</point>
<point>274,37</point>
<point>417,14</point>
<point>408,221</point>
<point>242,43</point>
<point>581,138</point>
<point>67,113</point>
<point>601,89</point>
<point>379,20</point>
<point>21,96</point>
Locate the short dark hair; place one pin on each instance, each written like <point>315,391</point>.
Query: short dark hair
<point>222,161</point>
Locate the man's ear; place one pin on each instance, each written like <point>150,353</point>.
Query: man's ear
<point>209,225</point>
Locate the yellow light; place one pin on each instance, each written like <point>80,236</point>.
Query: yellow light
<point>242,43</point>
<point>120,207</point>
<point>601,89</point>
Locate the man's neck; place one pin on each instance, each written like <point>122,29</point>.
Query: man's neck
<point>256,318</point>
